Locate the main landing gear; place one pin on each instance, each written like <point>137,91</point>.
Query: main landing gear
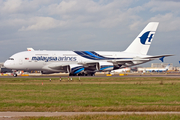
<point>82,74</point>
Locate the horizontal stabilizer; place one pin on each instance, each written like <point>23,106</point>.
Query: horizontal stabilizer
<point>158,56</point>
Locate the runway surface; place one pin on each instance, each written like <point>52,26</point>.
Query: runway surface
<point>51,76</point>
<point>53,114</point>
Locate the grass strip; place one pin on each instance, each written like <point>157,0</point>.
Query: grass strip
<point>90,94</point>
<point>108,117</point>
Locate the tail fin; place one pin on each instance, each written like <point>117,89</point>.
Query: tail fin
<point>167,67</point>
<point>143,41</point>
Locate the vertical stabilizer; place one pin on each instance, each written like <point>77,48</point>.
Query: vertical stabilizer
<point>143,41</point>
<point>167,67</point>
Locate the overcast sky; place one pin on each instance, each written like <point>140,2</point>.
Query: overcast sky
<point>105,25</point>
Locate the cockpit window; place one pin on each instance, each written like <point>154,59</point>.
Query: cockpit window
<point>11,59</point>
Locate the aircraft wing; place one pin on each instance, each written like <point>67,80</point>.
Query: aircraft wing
<point>116,62</point>
<point>161,57</point>
<point>138,60</point>
<point>128,61</point>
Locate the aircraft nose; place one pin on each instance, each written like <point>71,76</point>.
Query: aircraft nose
<point>7,64</point>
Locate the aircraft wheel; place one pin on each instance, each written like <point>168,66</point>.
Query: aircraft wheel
<point>79,74</point>
<point>82,74</point>
<point>92,74</point>
<point>14,75</point>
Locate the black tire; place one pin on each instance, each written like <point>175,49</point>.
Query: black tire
<point>82,74</point>
<point>14,75</point>
<point>92,74</point>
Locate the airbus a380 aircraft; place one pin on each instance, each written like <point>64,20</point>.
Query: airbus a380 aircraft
<point>86,62</point>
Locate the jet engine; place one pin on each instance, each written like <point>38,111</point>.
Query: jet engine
<point>106,66</point>
<point>75,69</point>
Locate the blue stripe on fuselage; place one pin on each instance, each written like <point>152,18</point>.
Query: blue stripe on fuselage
<point>89,53</point>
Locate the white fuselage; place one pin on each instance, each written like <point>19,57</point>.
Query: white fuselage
<point>44,60</point>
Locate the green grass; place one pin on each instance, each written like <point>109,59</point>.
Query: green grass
<point>108,117</point>
<point>90,94</point>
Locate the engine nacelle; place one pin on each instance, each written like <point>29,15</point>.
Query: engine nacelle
<point>106,66</point>
<point>75,68</point>
<point>92,67</point>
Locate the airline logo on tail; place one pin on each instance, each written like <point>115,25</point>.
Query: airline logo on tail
<point>147,37</point>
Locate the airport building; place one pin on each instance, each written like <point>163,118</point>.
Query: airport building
<point>1,65</point>
<point>161,65</point>
<point>3,69</point>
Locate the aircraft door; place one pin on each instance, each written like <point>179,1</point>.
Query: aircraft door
<point>20,61</point>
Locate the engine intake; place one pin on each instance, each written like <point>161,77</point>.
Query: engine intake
<point>106,66</point>
<point>75,68</point>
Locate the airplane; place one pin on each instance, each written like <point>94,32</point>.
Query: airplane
<point>123,70</point>
<point>87,63</point>
<point>157,69</point>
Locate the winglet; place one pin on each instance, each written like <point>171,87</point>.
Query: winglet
<point>162,59</point>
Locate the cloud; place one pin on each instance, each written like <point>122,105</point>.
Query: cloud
<point>50,14</point>
<point>11,5</point>
<point>166,5</point>
<point>42,23</point>
<point>63,7</point>
<point>44,15</point>
<point>169,0</point>
<point>87,37</point>
<point>169,22</point>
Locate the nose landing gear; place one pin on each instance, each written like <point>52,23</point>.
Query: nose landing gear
<point>14,75</point>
